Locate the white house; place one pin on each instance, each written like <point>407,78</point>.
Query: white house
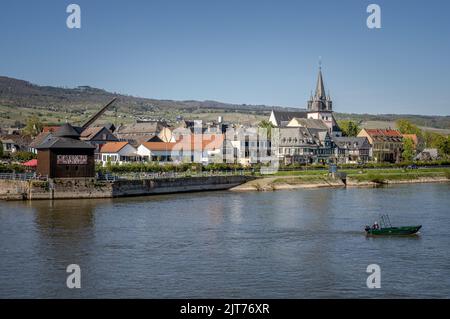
<point>118,153</point>
<point>192,148</point>
<point>158,152</point>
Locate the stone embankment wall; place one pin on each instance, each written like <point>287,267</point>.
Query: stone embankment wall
<point>65,188</point>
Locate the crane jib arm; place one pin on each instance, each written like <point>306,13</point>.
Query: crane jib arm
<point>98,114</point>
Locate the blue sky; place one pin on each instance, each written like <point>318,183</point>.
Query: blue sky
<point>238,51</point>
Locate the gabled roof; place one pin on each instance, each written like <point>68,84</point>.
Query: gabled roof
<point>92,132</point>
<point>383,132</point>
<point>159,146</point>
<point>64,142</point>
<point>311,123</point>
<point>67,130</point>
<point>113,147</point>
<point>385,135</point>
<point>351,142</point>
<point>296,137</point>
<point>321,135</point>
<point>40,138</point>
<point>286,116</point>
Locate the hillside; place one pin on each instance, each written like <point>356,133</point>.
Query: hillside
<point>20,99</point>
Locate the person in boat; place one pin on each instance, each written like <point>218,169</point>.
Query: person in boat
<point>375,226</point>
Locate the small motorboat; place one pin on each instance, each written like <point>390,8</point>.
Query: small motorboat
<point>385,228</point>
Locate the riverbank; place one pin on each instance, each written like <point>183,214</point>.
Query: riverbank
<point>317,179</point>
<point>80,188</point>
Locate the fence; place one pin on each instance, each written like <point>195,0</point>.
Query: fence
<point>130,176</point>
<point>23,176</point>
<point>161,175</point>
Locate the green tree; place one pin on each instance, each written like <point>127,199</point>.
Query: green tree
<point>268,126</point>
<point>23,156</point>
<point>406,127</point>
<point>443,146</point>
<point>349,128</point>
<point>408,149</point>
<point>33,127</point>
<point>430,138</point>
<point>438,141</point>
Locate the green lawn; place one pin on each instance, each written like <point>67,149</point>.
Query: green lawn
<point>365,175</point>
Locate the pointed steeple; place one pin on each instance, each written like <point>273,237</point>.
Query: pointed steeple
<point>320,101</point>
<point>320,89</point>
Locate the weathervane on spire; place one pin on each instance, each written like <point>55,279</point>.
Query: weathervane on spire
<point>320,62</point>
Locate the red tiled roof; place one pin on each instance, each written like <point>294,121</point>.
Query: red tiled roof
<point>50,129</point>
<point>208,142</point>
<point>411,136</point>
<point>113,147</point>
<point>159,146</point>
<point>383,132</point>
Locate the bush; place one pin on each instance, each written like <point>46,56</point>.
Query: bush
<point>222,167</point>
<point>10,168</point>
<point>394,165</point>
<point>157,168</point>
<point>23,156</point>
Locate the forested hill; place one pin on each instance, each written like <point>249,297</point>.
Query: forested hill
<point>20,98</point>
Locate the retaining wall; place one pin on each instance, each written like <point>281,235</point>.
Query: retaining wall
<point>65,188</point>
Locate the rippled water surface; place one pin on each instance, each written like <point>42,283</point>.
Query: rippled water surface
<point>284,244</point>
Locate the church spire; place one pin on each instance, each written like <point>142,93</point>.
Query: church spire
<point>320,101</point>
<point>320,89</point>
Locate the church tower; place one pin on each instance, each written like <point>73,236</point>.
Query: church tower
<point>320,106</point>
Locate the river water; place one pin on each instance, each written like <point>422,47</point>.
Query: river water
<point>283,244</point>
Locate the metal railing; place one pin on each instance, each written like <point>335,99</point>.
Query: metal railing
<point>162,175</point>
<point>22,176</point>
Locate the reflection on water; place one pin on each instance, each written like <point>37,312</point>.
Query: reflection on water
<point>51,215</point>
<point>286,244</point>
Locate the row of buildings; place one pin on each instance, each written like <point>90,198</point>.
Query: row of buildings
<point>306,136</point>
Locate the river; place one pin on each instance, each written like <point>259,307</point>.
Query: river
<point>282,244</point>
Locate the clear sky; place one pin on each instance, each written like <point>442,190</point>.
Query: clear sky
<point>238,51</point>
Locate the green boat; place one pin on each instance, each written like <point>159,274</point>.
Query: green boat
<point>386,229</point>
